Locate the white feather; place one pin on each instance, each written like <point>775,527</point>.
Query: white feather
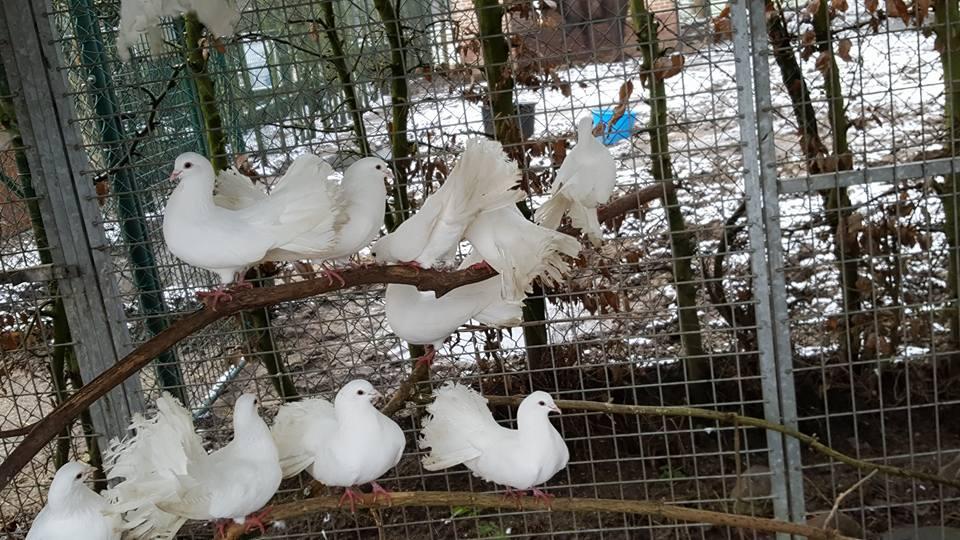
<point>520,250</point>
<point>484,179</point>
<point>73,507</point>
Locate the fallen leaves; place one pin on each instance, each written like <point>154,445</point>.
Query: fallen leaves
<point>843,49</point>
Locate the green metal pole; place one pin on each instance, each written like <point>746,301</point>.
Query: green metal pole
<point>130,208</point>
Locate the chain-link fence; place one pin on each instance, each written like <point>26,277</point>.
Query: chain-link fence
<point>790,252</point>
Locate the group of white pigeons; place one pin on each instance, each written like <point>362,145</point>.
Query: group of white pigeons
<point>162,476</point>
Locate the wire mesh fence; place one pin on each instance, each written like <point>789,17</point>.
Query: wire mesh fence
<point>795,262</point>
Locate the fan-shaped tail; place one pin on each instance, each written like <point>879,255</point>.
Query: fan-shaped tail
<point>457,416</point>
<point>235,191</point>
<point>148,464</point>
<point>520,250</point>
<point>292,429</point>
<point>586,220</point>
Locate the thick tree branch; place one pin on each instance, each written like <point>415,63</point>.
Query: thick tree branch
<point>476,500</point>
<point>425,280</point>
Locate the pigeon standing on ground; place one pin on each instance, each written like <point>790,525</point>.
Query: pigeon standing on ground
<point>143,17</point>
<point>420,318</point>
<point>585,180</point>
<point>520,250</point>
<point>169,478</point>
<point>343,444</point>
<point>307,216</point>
<point>73,507</point>
<point>461,429</point>
<point>484,179</point>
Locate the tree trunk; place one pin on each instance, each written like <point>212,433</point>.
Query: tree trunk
<point>682,242</point>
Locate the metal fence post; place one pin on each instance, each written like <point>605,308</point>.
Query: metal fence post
<point>760,268</point>
<point>766,206</point>
<point>68,204</point>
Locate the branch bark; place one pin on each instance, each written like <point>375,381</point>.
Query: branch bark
<point>443,499</point>
<point>425,280</point>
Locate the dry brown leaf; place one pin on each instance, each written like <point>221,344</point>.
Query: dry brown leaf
<point>626,90</point>
<point>314,32</point>
<point>839,5</point>
<point>843,49</point>
<point>559,152</point>
<point>725,12</point>
<point>824,61</point>
<point>722,29</point>
<point>872,5</point>
<point>897,8</point>
<point>921,8</point>
<point>103,191</point>
<point>676,66</point>
<point>813,7</point>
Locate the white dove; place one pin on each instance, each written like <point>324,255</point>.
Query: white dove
<point>484,179</point>
<point>520,250</point>
<point>421,318</point>
<point>461,429</point>
<point>361,201</point>
<point>344,444</point>
<point>169,478</point>
<point>143,17</point>
<point>585,180</point>
<point>73,507</point>
<point>307,216</point>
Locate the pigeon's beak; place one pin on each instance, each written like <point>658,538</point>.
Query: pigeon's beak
<point>554,408</point>
<point>175,175</point>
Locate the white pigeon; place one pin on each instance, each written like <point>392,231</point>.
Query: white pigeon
<point>461,429</point>
<point>138,17</point>
<point>585,180</point>
<point>73,507</point>
<point>360,203</point>
<point>306,216</point>
<point>421,318</point>
<point>169,478</point>
<point>343,444</point>
<point>520,250</point>
<point>484,179</point>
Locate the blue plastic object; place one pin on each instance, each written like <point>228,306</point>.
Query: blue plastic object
<point>621,130</point>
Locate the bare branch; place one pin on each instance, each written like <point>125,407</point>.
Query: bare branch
<point>442,499</point>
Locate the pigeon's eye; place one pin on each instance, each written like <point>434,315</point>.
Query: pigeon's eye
<point>379,167</point>
<point>256,402</point>
<point>79,475</point>
<point>187,165</point>
<point>359,392</point>
<point>542,404</point>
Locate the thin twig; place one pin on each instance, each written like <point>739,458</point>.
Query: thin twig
<point>731,418</point>
<point>839,499</point>
<point>448,499</point>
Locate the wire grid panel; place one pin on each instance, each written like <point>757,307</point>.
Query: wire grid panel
<point>612,330</point>
<point>866,251</point>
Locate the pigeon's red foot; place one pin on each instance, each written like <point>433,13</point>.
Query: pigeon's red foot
<point>350,495</point>
<point>427,359</point>
<point>413,264</point>
<point>514,494</point>
<point>256,521</point>
<point>212,298</point>
<point>543,496</point>
<point>332,274</point>
<point>222,527</point>
<point>241,285</point>
<point>482,265</point>
<point>378,492</point>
